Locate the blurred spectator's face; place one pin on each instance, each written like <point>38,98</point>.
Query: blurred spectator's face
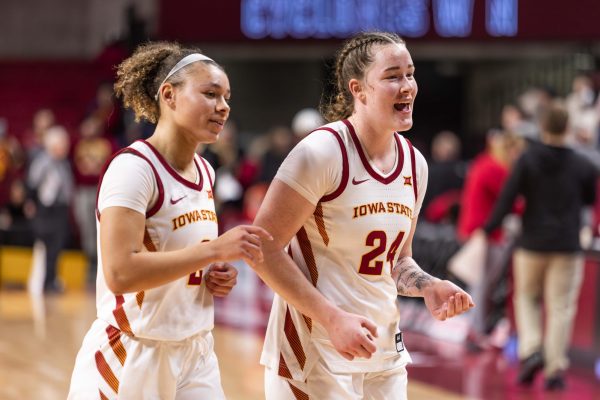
<point>17,193</point>
<point>581,83</point>
<point>228,135</point>
<point>281,140</point>
<point>59,150</point>
<point>445,147</point>
<point>511,117</point>
<point>104,96</point>
<point>56,143</point>
<point>91,127</point>
<point>42,120</point>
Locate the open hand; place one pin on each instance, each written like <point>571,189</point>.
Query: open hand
<point>445,300</point>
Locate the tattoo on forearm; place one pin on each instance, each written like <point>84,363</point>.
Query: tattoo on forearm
<point>410,278</point>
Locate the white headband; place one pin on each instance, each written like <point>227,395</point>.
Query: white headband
<point>182,63</point>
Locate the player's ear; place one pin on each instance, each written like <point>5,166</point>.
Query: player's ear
<point>356,89</point>
<point>168,94</point>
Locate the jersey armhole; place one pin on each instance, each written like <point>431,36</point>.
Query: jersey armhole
<point>161,191</point>
<point>205,165</point>
<point>414,168</point>
<point>345,167</point>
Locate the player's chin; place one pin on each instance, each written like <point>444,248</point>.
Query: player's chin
<point>404,124</point>
<point>210,136</point>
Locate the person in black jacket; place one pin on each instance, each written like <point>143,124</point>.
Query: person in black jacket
<point>557,184</point>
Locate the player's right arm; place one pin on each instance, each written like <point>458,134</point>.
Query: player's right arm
<point>282,213</point>
<point>128,268</point>
<point>123,200</point>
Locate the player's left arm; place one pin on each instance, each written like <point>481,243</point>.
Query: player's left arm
<point>443,298</point>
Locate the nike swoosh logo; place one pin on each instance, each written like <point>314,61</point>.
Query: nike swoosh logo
<point>178,200</point>
<point>355,182</point>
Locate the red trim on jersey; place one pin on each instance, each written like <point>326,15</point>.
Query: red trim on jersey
<point>414,168</point>
<point>114,338</point>
<point>345,166</point>
<point>205,164</point>
<point>298,394</point>
<point>306,319</point>
<point>139,297</point>
<point>121,317</point>
<point>308,322</point>
<point>284,371</point>
<point>147,241</point>
<point>363,157</point>
<point>106,372</point>
<point>102,395</point>
<point>320,221</point>
<point>173,173</point>
<point>293,339</point>
<point>161,191</point>
<point>308,255</point>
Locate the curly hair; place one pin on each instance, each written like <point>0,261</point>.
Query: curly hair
<point>351,62</point>
<point>140,76</point>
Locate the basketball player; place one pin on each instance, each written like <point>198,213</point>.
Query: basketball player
<point>161,261</point>
<point>347,200</point>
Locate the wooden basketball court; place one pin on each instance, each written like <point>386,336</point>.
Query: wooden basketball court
<point>40,337</point>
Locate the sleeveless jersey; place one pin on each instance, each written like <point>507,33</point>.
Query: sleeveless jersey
<point>182,215</point>
<point>347,250</point>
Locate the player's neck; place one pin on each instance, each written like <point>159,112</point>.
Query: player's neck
<point>174,147</point>
<point>379,144</point>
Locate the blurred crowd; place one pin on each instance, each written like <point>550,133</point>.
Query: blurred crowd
<point>462,195</point>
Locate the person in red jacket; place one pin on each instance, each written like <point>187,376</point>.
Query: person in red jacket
<point>483,184</point>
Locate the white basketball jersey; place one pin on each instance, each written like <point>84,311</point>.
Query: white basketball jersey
<point>183,215</point>
<point>347,249</point>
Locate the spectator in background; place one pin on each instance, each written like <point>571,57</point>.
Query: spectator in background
<point>50,179</point>
<point>305,121</point>
<point>15,229</point>
<point>106,109</point>
<point>483,184</point>
<point>225,155</point>
<point>581,100</point>
<point>281,140</point>
<point>583,135</point>
<point>531,103</point>
<point>446,178</point>
<point>33,138</point>
<point>90,152</point>
<point>249,166</point>
<point>514,121</point>
<point>6,164</point>
<point>557,184</point>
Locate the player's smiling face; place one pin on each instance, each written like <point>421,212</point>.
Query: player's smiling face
<point>202,103</point>
<point>390,88</point>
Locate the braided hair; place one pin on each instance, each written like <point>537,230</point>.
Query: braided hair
<point>140,76</point>
<point>351,62</point>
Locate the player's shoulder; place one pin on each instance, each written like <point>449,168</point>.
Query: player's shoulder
<point>328,133</point>
<point>129,163</point>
